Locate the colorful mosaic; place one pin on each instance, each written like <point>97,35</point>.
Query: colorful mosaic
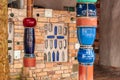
<point>10,40</point>
<point>86,31</point>
<point>56,42</point>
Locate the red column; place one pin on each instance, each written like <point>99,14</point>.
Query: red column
<point>85,72</point>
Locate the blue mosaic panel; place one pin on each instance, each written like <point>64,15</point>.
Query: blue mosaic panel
<point>85,9</point>
<point>56,42</point>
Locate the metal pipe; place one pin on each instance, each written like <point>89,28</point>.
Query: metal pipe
<point>29,8</point>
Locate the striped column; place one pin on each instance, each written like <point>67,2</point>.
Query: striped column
<point>86,33</point>
<point>29,36</point>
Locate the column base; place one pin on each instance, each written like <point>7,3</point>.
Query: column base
<point>29,61</point>
<point>85,72</point>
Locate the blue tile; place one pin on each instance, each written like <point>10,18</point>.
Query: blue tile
<point>92,10</point>
<point>55,30</point>
<point>81,9</point>
<point>29,40</point>
<point>50,37</point>
<point>55,43</point>
<point>57,56</point>
<point>60,37</point>
<point>53,56</point>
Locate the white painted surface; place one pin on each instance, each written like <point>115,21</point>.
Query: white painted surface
<point>48,12</point>
<point>17,54</point>
<point>77,46</point>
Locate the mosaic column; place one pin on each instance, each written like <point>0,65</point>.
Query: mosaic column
<point>29,36</point>
<point>4,64</point>
<point>86,32</point>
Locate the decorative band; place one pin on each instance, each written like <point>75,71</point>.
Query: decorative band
<point>86,21</point>
<point>29,62</point>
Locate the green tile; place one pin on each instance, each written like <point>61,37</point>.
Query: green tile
<point>87,1</point>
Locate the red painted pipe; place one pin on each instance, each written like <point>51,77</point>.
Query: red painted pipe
<point>85,72</point>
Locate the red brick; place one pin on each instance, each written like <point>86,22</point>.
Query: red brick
<point>20,23</point>
<point>68,71</point>
<point>37,70</point>
<point>18,65</point>
<point>19,31</point>
<point>18,47</point>
<point>39,41</point>
<point>49,65</point>
<point>30,79</point>
<point>51,72</point>
<point>64,67</point>
<point>56,68</point>
<point>40,58</point>
<point>53,20</point>
<point>66,75</point>
<point>43,19</point>
<point>67,20</point>
<point>41,74</point>
<point>59,72</point>
<point>39,24</point>
<point>48,69</point>
<point>73,40</point>
<point>19,27</point>
<point>40,65</point>
<point>56,76</point>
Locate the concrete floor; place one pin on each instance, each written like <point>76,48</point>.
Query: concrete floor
<point>106,73</point>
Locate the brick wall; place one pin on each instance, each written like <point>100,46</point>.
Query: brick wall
<point>44,70</point>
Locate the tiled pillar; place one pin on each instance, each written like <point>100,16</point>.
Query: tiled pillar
<point>86,32</point>
<point>29,36</point>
